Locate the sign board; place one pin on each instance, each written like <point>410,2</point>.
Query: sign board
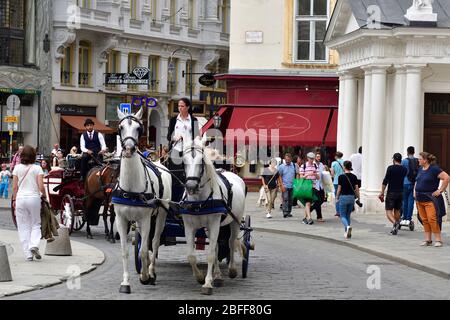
<point>253,37</point>
<point>139,101</point>
<point>13,102</point>
<point>75,110</point>
<point>13,126</point>
<point>11,119</point>
<point>139,75</point>
<point>125,108</point>
<point>207,79</point>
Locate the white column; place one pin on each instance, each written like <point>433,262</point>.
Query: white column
<point>350,124</point>
<point>398,112</point>
<point>143,62</point>
<point>341,110</point>
<point>414,109</point>
<point>163,71</point>
<point>366,127</point>
<point>181,89</point>
<point>123,68</point>
<point>376,139</point>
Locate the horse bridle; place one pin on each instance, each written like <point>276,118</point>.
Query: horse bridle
<point>130,118</point>
<point>191,150</point>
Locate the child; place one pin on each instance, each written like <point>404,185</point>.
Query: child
<point>4,178</point>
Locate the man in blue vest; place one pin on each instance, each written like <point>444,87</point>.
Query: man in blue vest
<point>92,144</point>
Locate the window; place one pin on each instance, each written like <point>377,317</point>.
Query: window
<point>134,9</point>
<point>66,67</point>
<point>154,9</point>
<point>172,77</point>
<point>173,12</point>
<point>225,16</point>
<point>191,13</point>
<point>190,68</point>
<point>84,64</point>
<point>12,32</point>
<point>84,4</point>
<point>112,66</point>
<point>133,62</point>
<point>311,23</point>
<point>153,63</point>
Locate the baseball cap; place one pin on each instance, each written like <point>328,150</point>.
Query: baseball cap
<point>397,157</point>
<point>311,155</point>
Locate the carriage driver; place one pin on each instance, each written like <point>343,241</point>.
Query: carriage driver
<point>92,144</point>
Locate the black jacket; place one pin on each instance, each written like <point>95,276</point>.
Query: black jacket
<point>172,123</point>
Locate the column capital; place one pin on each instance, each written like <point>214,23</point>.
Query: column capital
<point>346,75</point>
<point>380,69</point>
<point>400,68</point>
<point>414,68</point>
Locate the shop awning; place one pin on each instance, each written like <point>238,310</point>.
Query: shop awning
<point>210,123</point>
<point>77,122</point>
<point>298,126</point>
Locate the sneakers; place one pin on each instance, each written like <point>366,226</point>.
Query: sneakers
<point>348,232</point>
<point>268,215</point>
<point>320,220</point>
<point>289,215</point>
<point>337,215</point>
<point>35,252</point>
<point>305,221</point>
<point>310,221</point>
<point>395,228</point>
<point>427,243</point>
<point>438,244</point>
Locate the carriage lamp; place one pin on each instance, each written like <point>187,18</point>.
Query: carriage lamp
<point>217,121</point>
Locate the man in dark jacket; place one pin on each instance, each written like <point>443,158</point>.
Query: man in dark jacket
<point>92,144</point>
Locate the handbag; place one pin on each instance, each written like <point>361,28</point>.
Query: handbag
<point>302,189</point>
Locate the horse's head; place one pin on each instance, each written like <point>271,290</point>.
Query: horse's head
<point>130,129</point>
<point>194,165</point>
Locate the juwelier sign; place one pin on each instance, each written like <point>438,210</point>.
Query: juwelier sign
<point>140,75</point>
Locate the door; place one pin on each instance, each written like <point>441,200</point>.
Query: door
<point>436,142</point>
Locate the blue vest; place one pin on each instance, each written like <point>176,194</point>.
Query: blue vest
<point>93,144</point>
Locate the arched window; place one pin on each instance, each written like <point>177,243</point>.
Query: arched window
<point>12,32</point>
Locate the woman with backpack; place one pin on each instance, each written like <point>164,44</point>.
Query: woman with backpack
<point>431,182</point>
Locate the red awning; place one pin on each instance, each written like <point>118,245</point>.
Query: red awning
<point>77,122</point>
<point>297,126</point>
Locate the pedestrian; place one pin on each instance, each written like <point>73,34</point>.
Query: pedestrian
<point>16,158</point>
<point>288,171</point>
<point>356,160</point>
<point>336,170</point>
<point>431,182</point>
<point>269,179</point>
<point>309,171</point>
<point>348,191</point>
<point>320,190</point>
<point>28,188</point>
<point>297,159</point>
<point>411,164</point>
<point>5,174</point>
<point>92,145</point>
<point>395,174</point>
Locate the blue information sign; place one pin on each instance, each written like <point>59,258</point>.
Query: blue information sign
<point>125,108</point>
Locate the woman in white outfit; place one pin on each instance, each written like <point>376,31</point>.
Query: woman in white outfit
<point>28,188</point>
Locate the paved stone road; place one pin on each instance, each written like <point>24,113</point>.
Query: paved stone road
<point>281,267</point>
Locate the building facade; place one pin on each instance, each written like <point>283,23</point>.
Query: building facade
<point>25,70</point>
<point>281,71</point>
<point>395,83</point>
<point>94,37</point>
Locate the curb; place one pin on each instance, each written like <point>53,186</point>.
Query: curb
<point>379,254</point>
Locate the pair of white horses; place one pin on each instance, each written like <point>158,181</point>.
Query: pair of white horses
<point>134,179</point>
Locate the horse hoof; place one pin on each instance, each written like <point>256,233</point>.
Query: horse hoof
<point>125,289</point>
<point>207,291</point>
<point>218,283</point>
<point>117,236</point>
<point>201,280</point>
<point>232,273</point>
<point>146,282</point>
<point>153,280</point>
<point>89,236</point>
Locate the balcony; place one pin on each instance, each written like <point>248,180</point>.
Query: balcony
<point>84,80</point>
<point>66,78</point>
<point>171,87</point>
<point>153,85</point>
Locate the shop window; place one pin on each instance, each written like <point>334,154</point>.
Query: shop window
<point>311,23</point>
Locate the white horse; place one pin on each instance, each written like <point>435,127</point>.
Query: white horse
<point>202,181</point>
<point>135,180</point>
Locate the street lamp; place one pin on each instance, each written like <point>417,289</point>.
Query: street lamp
<point>217,121</point>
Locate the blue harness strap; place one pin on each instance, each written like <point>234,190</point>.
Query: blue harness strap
<point>133,202</point>
<point>203,207</point>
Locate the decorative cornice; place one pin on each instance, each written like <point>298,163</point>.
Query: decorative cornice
<point>106,47</point>
<point>63,38</point>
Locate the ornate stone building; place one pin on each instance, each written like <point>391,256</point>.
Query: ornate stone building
<point>25,70</point>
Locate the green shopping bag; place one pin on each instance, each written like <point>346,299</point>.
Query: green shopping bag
<point>302,189</point>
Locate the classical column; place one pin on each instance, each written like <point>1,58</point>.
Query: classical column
<point>30,32</point>
<point>181,87</point>
<point>123,68</point>
<point>366,126</point>
<point>414,110</point>
<point>341,110</point>
<point>143,62</point>
<point>376,162</point>
<point>350,124</point>
<point>398,110</point>
<point>163,71</point>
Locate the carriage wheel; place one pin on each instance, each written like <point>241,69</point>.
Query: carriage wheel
<point>13,212</point>
<point>78,221</point>
<point>137,249</point>
<point>246,243</point>
<point>67,213</point>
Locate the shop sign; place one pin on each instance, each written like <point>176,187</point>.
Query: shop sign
<point>20,91</point>
<point>207,79</point>
<point>75,110</point>
<point>290,124</point>
<point>139,76</point>
<point>139,101</point>
<point>11,119</point>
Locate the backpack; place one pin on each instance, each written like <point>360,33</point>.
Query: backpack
<point>413,169</point>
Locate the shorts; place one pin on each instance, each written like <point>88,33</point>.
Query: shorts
<point>394,201</point>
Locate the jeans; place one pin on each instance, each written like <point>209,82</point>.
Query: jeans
<point>408,201</point>
<point>346,206</point>
<point>287,201</point>
<point>335,192</point>
<point>4,189</point>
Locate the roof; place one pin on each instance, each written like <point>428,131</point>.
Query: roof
<point>393,11</point>
<point>77,122</point>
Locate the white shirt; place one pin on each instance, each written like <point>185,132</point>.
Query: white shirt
<point>356,160</point>
<point>182,128</point>
<point>100,138</point>
<point>28,186</point>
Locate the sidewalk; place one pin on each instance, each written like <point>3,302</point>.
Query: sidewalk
<point>50,270</point>
<point>370,234</point>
